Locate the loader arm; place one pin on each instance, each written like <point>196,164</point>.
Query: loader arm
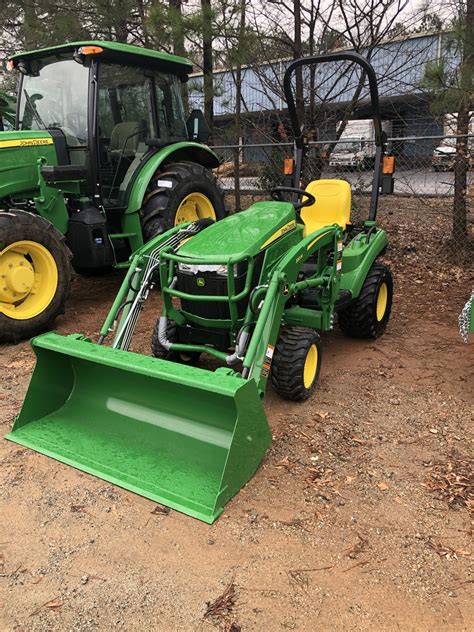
<point>282,286</point>
<point>134,278</point>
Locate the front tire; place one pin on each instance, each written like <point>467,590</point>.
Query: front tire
<point>159,351</point>
<point>368,315</point>
<point>183,192</point>
<point>35,275</point>
<point>296,363</point>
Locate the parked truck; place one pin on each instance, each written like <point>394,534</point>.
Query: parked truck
<point>356,147</point>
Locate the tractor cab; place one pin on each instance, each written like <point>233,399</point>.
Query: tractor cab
<point>108,106</point>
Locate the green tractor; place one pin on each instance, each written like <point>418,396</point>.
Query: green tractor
<point>101,160</point>
<point>252,291</point>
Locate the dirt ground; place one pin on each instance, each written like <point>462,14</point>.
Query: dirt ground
<point>358,518</point>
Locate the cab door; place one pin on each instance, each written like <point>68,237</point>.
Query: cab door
<point>124,122</point>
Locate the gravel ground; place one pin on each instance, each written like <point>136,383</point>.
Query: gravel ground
<point>357,519</point>
<point>420,181</point>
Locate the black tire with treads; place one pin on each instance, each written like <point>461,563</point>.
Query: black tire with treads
<point>160,352</point>
<point>359,320</point>
<point>162,202</point>
<point>287,370</point>
<point>18,225</point>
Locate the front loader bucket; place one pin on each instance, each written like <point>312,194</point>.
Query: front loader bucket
<point>180,435</point>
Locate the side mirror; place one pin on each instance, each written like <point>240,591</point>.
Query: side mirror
<point>197,126</point>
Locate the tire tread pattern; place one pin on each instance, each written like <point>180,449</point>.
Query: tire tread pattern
<point>359,319</point>
<point>18,225</point>
<point>161,203</point>
<point>288,362</point>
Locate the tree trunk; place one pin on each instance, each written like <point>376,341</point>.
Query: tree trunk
<point>460,178</point>
<point>120,26</point>
<point>207,63</point>
<point>297,52</point>
<point>461,165</point>
<point>238,103</point>
<point>177,34</point>
<point>31,28</point>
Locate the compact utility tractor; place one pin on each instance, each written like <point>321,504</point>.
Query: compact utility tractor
<point>252,291</point>
<point>101,160</point>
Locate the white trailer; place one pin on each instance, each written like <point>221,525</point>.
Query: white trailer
<point>356,146</point>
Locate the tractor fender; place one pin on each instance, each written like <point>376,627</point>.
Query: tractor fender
<point>176,152</point>
<point>357,259</point>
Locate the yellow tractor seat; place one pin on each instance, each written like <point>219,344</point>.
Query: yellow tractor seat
<point>332,206</point>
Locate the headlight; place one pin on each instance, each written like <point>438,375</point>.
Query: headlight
<point>220,269</point>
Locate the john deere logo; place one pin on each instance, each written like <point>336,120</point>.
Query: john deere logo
<point>201,282</point>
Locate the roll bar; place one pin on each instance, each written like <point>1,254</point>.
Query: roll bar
<point>374,96</point>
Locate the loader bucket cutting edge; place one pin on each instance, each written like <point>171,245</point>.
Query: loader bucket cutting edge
<point>179,435</point>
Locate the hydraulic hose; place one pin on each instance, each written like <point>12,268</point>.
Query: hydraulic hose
<point>163,325</point>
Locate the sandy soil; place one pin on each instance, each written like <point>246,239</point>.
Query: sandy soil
<point>357,519</point>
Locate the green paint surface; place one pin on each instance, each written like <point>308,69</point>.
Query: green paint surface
<point>179,435</point>
<point>242,233</point>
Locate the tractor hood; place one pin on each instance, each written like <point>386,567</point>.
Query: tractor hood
<point>244,233</point>
<point>19,153</point>
<point>27,138</point>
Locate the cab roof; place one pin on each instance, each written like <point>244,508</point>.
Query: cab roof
<point>117,53</point>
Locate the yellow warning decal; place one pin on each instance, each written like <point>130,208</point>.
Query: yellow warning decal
<point>281,231</point>
<point>268,361</point>
<point>26,142</point>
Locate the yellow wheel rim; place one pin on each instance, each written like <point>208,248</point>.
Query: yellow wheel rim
<point>382,299</point>
<point>310,366</point>
<point>28,279</point>
<point>194,206</point>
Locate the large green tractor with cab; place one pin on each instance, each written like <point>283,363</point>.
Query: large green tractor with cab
<point>252,292</point>
<point>100,160</point>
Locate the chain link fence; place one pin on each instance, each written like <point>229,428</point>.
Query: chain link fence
<point>425,196</point>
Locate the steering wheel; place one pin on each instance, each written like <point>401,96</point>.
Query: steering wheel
<point>276,194</point>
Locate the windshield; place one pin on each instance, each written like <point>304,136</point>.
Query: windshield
<point>56,97</point>
<point>348,147</point>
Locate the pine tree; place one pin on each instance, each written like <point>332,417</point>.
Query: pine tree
<point>452,90</point>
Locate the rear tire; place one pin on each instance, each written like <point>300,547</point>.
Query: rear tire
<point>160,352</point>
<point>368,315</point>
<point>184,191</point>
<point>42,251</point>
<point>296,363</point>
